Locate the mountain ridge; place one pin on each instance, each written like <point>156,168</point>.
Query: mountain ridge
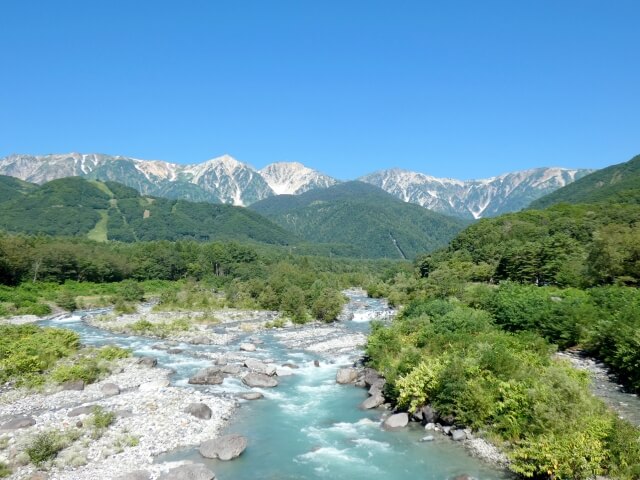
<point>225,179</point>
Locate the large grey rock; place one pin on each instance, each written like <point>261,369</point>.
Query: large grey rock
<point>247,347</point>
<point>148,361</point>
<point>370,376</point>
<point>189,472</point>
<point>231,369</point>
<point>76,412</point>
<point>259,380</point>
<point>110,389</point>
<point>226,447</point>
<point>260,367</point>
<point>200,340</point>
<point>251,396</point>
<point>458,435</point>
<point>199,410</point>
<point>77,385</point>
<point>207,376</point>
<point>429,415</point>
<point>16,423</point>
<point>346,375</point>
<point>377,387</point>
<point>372,402</point>
<point>174,351</point>
<point>135,475</point>
<point>397,420</point>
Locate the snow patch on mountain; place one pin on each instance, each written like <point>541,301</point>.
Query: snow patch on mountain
<point>293,178</point>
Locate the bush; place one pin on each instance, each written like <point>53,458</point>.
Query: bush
<point>5,471</point>
<point>131,291</point>
<point>112,352</point>
<point>67,301</point>
<point>101,418</point>
<point>86,369</point>
<point>44,447</point>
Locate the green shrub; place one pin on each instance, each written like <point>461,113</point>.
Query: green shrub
<point>84,368</point>
<point>101,418</point>
<point>67,301</point>
<point>44,447</point>
<point>5,471</point>
<point>112,352</point>
<point>131,291</point>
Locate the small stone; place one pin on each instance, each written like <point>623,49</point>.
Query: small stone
<point>290,365</point>
<point>207,376</point>
<point>259,380</point>
<point>316,363</point>
<point>226,447</point>
<point>247,347</point>
<point>148,361</point>
<point>79,424</point>
<point>397,420</point>
<point>251,396</point>
<point>428,438</point>
<point>77,385</point>
<point>458,435</point>
<point>76,412</point>
<point>17,423</point>
<point>110,389</point>
<point>199,410</point>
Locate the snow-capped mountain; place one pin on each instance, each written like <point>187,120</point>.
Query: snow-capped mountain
<point>474,198</point>
<point>294,178</point>
<point>227,180</point>
<point>222,179</point>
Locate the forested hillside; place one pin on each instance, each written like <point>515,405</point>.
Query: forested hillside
<point>364,216</point>
<point>75,206</point>
<point>615,184</point>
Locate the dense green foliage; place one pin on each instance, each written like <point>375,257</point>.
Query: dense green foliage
<point>454,357</point>
<point>26,351</point>
<point>565,245</point>
<point>615,184</point>
<point>75,206</point>
<point>354,213</point>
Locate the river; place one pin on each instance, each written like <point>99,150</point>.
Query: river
<point>308,427</point>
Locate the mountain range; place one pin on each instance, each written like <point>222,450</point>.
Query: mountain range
<point>226,180</point>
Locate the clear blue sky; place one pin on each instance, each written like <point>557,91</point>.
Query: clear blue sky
<point>463,89</point>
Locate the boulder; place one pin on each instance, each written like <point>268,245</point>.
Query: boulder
<point>76,412</point>
<point>251,396</point>
<point>346,375</point>
<point>159,346</point>
<point>377,387</point>
<point>446,430</point>
<point>430,426</point>
<point>189,472</point>
<point>200,340</point>
<point>110,389</point>
<point>372,402</point>
<point>428,438</point>
<point>284,372</point>
<point>397,420</point>
<point>77,385</point>
<point>370,376</point>
<point>231,369</point>
<point>429,415</point>
<point>174,351</point>
<point>259,380</point>
<point>247,347</point>
<point>207,376</point>
<point>226,447</point>
<point>260,367</point>
<point>148,361</point>
<point>316,363</point>
<point>255,340</point>
<point>458,435</point>
<point>19,422</point>
<point>199,410</point>
<point>135,475</point>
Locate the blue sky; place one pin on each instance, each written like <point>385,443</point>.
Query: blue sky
<point>463,89</point>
